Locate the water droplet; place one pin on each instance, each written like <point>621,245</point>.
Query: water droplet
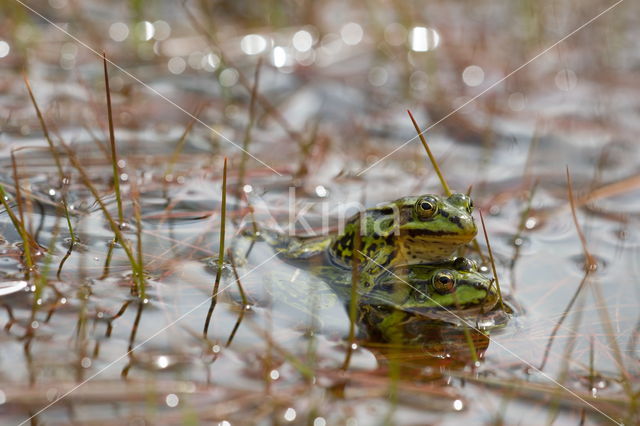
<point>321,191</point>
<point>176,65</point>
<point>162,30</point>
<point>162,361</point>
<point>351,33</point>
<point>210,62</point>
<point>458,405</point>
<point>144,30</point>
<point>119,31</point>
<point>279,57</point>
<point>228,77</point>
<point>319,421</point>
<point>473,76</point>
<point>253,44</point>
<point>531,223</point>
<point>290,414</point>
<point>302,41</point>
<point>424,39</point>
<point>172,400</point>
<point>4,48</point>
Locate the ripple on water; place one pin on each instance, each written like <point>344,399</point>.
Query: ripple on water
<point>557,227</point>
<point>580,261</point>
<point>162,361</point>
<point>597,383</point>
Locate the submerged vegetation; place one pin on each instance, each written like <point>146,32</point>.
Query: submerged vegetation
<point>162,160</point>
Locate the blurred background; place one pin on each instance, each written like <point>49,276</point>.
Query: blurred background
<point>512,94</point>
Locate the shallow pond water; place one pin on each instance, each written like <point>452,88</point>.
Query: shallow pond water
<point>509,112</point>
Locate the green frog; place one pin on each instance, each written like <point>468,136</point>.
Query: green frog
<point>411,230</point>
<point>445,292</point>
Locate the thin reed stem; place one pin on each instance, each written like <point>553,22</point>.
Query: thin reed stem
<point>443,182</point>
<point>353,299</point>
<point>112,141</point>
<point>43,125</point>
<point>493,263</point>
<point>216,285</point>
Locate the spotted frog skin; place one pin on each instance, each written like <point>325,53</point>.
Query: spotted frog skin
<point>412,230</point>
<point>447,293</point>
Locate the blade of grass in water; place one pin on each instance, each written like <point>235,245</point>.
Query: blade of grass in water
<point>141,281</point>
<point>590,267</point>
<point>493,263</point>
<point>132,338</point>
<point>436,167</point>
<point>247,133</point>
<point>71,233</point>
<point>443,182</point>
<point>43,125</point>
<point>521,229</point>
<point>467,334</point>
<point>16,183</point>
<point>42,280</point>
<point>183,139</point>
<point>216,285</point>
<point>243,297</point>
<point>353,299</point>
<point>112,141</point>
<point>115,228</point>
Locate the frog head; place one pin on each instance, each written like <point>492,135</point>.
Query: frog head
<point>448,289</point>
<point>428,227</point>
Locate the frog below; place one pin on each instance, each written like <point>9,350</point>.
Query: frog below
<point>411,230</point>
<point>445,293</point>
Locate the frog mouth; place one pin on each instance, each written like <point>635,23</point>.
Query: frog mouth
<point>478,305</point>
<point>430,235</point>
<point>459,315</point>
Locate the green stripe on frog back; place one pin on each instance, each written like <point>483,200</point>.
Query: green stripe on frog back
<point>341,249</point>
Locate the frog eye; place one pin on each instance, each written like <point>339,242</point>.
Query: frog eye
<point>464,264</point>
<point>462,200</point>
<point>426,207</point>
<point>443,282</point>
